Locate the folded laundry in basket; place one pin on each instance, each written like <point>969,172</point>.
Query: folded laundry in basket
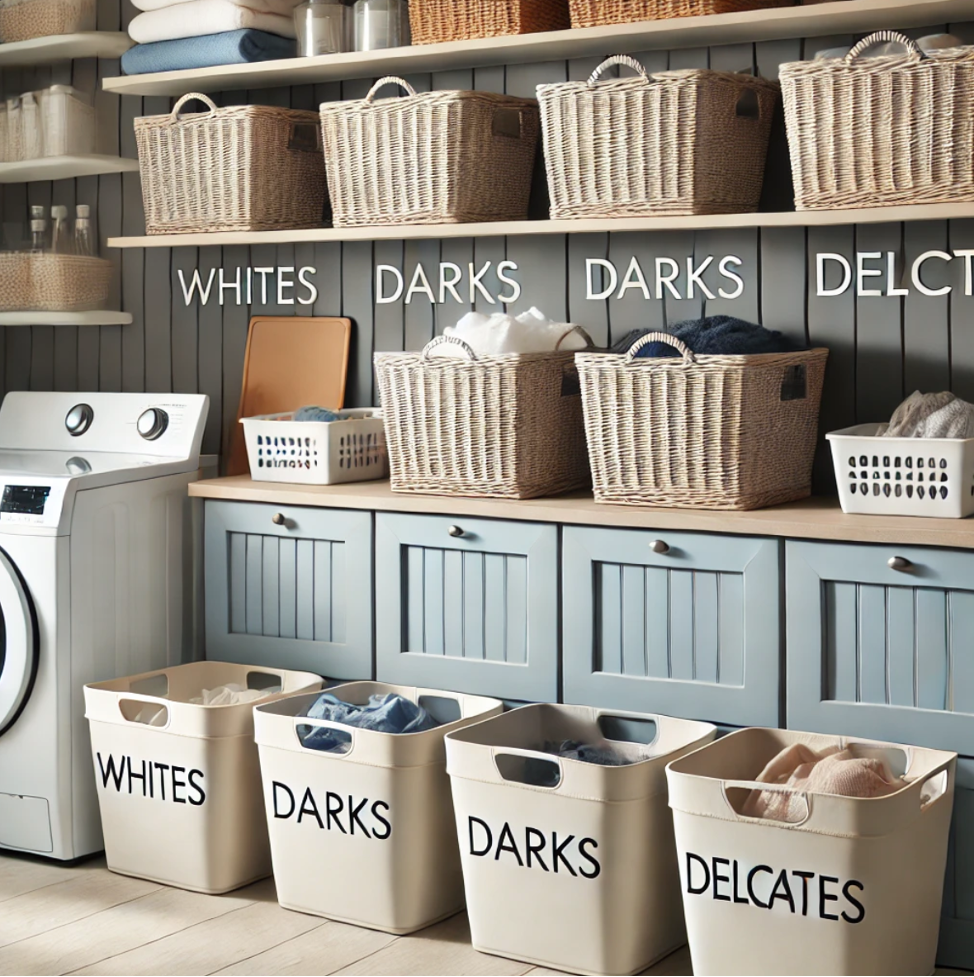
<point>196,18</point>
<point>232,694</point>
<point>498,334</point>
<point>719,335</point>
<point>388,713</point>
<point>940,415</point>
<point>315,414</point>
<point>210,51</point>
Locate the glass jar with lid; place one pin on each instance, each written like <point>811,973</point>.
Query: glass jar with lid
<point>381,24</point>
<point>323,27</point>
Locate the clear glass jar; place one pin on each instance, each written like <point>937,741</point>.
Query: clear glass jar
<point>323,27</point>
<point>381,24</point>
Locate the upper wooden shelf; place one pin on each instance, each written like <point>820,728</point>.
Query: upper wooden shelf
<point>816,20</point>
<point>64,168</point>
<point>65,47</point>
<point>65,319</point>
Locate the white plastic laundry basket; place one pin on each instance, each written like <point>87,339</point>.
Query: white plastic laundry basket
<point>366,836</point>
<point>181,801</point>
<point>903,476</point>
<point>853,887</point>
<point>580,875</point>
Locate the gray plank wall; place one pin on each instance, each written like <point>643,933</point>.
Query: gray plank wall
<point>881,348</point>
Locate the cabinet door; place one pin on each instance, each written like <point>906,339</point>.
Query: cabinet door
<point>467,604</point>
<point>685,624</point>
<point>289,586</point>
<point>957,925</point>
<point>879,652</point>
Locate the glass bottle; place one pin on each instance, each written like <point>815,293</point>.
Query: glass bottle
<point>60,235</point>
<point>323,27</point>
<point>83,238</point>
<point>38,236</point>
<point>381,24</point>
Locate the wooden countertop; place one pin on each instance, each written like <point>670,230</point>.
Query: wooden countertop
<point>815,518</point>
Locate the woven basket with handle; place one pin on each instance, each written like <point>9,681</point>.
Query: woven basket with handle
<point>712,432</point>
<point>435,21</point>
<point>594,13</point>
<point>508,426</point>
<point>866,132</point>
<point>675,142</point>
<point>242,168</point>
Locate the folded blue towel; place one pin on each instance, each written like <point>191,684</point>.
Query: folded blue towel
<point>210,50</point>
<point>389,713</point>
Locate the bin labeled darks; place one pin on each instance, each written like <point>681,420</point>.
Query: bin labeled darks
<point>364,833</point>
<point>845,885</point>
<point>178,781</point>
<point>566,863</point>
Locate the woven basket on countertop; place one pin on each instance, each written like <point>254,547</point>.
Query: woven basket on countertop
<point>675,142</point>
<point>878,131</point>
<point>712,432</point>
<point>436,21</point>
<point>595,13</point>
<point>241,168</point>
<point>508,426</point>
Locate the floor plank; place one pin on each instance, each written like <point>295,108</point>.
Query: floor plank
<point>19,875</point>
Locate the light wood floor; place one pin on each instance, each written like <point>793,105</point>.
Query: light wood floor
<point>85,920</point>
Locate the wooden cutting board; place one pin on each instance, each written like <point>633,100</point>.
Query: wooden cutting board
<point>291,362</point>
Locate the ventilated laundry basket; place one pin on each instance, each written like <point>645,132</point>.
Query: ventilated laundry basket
<point>595,13</point>
<point>180,798</point>
<point>431,158</point>
<point>674,142</point>
<point>508,425</point>
<point>240,168</point>
<point>713,432</point>
<point>438,21</point>
<point>852,887</point>
<point>903,476</point>
<point>867,132</point>
<point>366,836</point>
<point>23,20</point>
<point>569,864</point>
<point>351,449</point>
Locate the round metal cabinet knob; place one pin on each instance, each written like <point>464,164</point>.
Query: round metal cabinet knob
<point>658,546</point>
<point>79,419</point>
<point>455,531</point>
<point>898,563</point>
<point>278,519</point>
<point>153,423</point>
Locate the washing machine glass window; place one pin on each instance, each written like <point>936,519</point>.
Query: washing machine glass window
<point>18,644</point>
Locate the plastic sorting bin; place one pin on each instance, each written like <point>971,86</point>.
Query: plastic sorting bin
<point>579,875</point>
<point>853,886</point>
<point>366,836</point>
<point>180,799</point>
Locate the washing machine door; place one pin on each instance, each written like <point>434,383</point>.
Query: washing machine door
<point>19,644</point>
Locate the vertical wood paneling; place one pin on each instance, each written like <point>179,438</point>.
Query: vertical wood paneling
<point>841,634</point>
<point>900,645</point>
<point>657,622</point>
<point>432,585</point>
<point>517,610</point>
<point>730,636</point>
<point>931,644</point>
<point>926,318</point>
<point>633,620</point>
<point>473,605</point>
<point>705,627</point>
<point>610,611</point>
<point>339,604</point>
<point>871,649</point>
<point>453,603</point>
<point>495,607</point>
<point>682,664</point>
<point>322,590</point>
<point>960,607</point>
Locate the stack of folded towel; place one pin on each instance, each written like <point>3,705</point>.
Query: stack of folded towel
<point>173,35</point>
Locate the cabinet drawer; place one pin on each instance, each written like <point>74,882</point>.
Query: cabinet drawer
<point>467,604</point>
<point>289,586</point>
<point>678,623</point>
<point>880,652</point>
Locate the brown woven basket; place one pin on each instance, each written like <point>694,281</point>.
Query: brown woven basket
<point>873,131</point>
<point>15,290</point>
<point>676,142</point>
<point>711,432</point>
<point>243,168</point>
<point>53,282</point>
<point>432,158</point>
<point>23,20</point>
<point>508,426</point>
<point>595,13</point>
<point>436,21</point>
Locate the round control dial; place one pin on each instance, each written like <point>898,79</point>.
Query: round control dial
<point>152,423</point>
<point>79,419</point>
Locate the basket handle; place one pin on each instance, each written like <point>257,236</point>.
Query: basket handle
<point>661,337</point>
<point>453,340</point>
<point>388,80</point>
<point>588,339</point>
<point>622,59</point>
<point>883,37</point>
<point>191,97</point>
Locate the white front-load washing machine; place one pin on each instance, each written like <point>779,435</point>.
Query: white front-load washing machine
<point>96,574</point>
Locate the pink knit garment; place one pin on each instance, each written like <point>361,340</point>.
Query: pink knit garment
<point>832,771</point>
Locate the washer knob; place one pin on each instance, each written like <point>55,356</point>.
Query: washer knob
<point>78,465</point>
<point>79,419</point>
<point>152,423</point>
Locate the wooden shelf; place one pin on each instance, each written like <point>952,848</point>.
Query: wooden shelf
<point>65,47</point>
<point>64,168</point>
<point>65,319</point>
<point>816,20</point>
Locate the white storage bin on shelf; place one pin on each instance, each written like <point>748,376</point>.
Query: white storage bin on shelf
<point>55,121</point>
<point>366,836</point>
<point>180,798</point>
<point>903,476</point>
<point>853,886</point>
<point>352,449</point>
<point>570,864</point>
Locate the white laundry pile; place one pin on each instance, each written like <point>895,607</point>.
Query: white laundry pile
<point>231,694</point>
<point>499,334</point>
<point>931,42</point>
<point>165,20</point>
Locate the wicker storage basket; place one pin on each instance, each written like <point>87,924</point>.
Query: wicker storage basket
<point>507,426</point>
<point>432,158</point>
<point>594,13</point>
<point>872,131</point>
<point>435,21</point>
<point>676,142</point>
<point>711,432</point>
<point>15,291</point>
<point>53,282</point>
<point>243,168</point>
<point>23,20</point>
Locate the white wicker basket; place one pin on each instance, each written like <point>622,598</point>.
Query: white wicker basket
<point>903,476</point>
<point>352,449</point>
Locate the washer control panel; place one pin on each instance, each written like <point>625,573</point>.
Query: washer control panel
<point>31,503</point>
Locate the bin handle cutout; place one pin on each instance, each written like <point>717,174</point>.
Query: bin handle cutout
<point>747,786</point>
<point>628,729</point>
<point>933,788</point>
<point>156,685</point>
<point>144,712</point>
<point>660,337</point>
<point>259,680</point>
<point>344,735</point>
<point>516,766</point>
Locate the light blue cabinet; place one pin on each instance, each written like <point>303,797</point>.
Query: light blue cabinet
<point>686,624</point>
<point>289,586</point>
<point>957,925</point>
<point>881,651</point>
<point>467,604</point>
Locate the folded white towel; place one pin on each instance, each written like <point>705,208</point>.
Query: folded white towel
<point>283,7</point>
<point>198,17</point>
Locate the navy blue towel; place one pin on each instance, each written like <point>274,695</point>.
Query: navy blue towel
<point>713,336</point>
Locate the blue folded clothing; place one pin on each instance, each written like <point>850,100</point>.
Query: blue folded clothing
<point>389,713</point>
<point>716,335</point>
<point>208,51</point>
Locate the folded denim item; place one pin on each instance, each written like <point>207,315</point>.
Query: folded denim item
<point>212,50</point>
<point>390,713</point>
<point>197,18</point>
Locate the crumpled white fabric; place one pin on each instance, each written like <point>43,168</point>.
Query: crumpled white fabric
<point>931,42</point>
<point>940,415</point>
<point>498,334</point>
<point>231,694</point>
<point>152,715</point>
<point>198,17</point>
